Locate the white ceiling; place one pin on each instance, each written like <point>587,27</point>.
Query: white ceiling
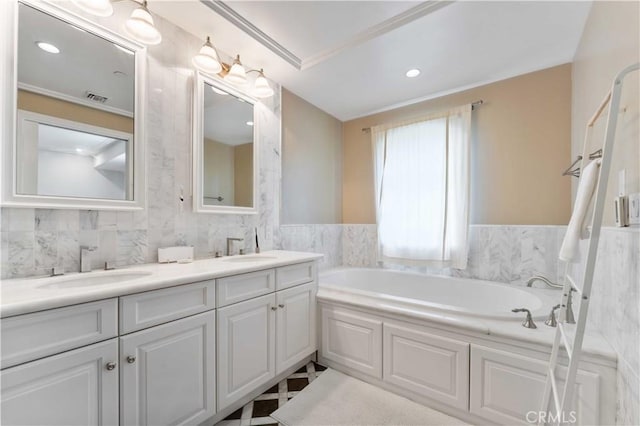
<point>349,57</point>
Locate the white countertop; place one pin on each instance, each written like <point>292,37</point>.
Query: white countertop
<point>25,295</point>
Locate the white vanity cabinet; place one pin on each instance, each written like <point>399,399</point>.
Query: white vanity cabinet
<point>168,373</point>
<point>262,337</point>
<point>78,387</point>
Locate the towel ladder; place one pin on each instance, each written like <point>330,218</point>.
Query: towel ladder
<point>569,337</point>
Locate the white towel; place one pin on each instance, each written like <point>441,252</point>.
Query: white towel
<point>577,225</point>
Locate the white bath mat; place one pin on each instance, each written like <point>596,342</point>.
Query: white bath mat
<point>336,399</point>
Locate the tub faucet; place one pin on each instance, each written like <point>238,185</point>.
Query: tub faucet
<point>551,321</point>
<point>85,258</point>
<point>528,321</point>
<point>544,280</point>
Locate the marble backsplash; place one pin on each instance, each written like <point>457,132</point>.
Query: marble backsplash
<point>496,253</point>
<point>35,240</point>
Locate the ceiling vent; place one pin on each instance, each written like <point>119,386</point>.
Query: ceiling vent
<point>95,97</point>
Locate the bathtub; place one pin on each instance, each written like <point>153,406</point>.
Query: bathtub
<point>455,296</point>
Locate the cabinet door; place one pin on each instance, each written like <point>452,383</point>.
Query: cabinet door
<point>353,339</point>
<point>296,325</point>
<point>505,387</point>
<point>428,365</point>
<point>246,347</point>
<point>168,373</point>
<point>73,388</point>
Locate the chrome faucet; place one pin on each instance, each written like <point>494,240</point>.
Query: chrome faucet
<point>85,258</point>
<point>551,321</point>
<point>544,280</point>
<point>568,313</point>
<point>230,241</point>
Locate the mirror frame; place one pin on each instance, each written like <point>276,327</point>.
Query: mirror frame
<point>9,112</point>
<point>198,147</point>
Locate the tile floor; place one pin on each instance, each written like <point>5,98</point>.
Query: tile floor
<point>258,411</point>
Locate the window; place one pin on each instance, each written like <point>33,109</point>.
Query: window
<point>422,189</point>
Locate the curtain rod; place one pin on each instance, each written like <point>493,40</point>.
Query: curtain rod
<point>474,105</point>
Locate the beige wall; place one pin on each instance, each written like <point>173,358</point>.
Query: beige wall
<point>218,173</point>
<point>610,42</point>
<point>311,163</point>
<point>47,105</point>
<point>520,146</point>
<point>243,174</point>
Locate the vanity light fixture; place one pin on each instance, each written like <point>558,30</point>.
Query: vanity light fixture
<point>207,59</point>
<point>261,88</point>
<point>140,26</point>
<point>414,72</point>
<point>95,7</point>
<point>47,47</point>
<point>236,75</point>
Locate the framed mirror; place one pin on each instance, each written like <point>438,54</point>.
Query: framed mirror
<point>72,112</point>
<point>225,161</point>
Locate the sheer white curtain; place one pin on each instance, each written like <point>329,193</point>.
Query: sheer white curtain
<point>422,189</point>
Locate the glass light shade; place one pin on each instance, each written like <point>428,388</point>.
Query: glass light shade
<point>237,75</point>
<point>207,59</point>
<point>95,7</point>
<point>140,27</point>
<point>261,88</point>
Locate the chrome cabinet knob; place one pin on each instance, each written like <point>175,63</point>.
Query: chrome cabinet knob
<point>281,305</point>
<point>110,366</point>
<point>131,359</point>
<point>273,308</point>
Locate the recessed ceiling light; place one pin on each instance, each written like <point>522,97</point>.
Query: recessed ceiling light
<point>414,72</point>
<point>249,123</point>
<point>47,47</point>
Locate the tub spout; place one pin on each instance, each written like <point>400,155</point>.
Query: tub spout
<point>544,280</point>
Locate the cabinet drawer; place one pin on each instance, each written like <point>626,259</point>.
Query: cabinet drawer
<point>143,310</point>
<point>289,276</point>
<point>428,365</point>
<point>505,387</point>
<point>31,336</point>
<point>245,286</point>
<point>352,339</point>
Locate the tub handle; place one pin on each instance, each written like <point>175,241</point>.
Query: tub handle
<point>528,322</point>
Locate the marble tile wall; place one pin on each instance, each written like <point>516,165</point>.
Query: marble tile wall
<point>34,240</point>
<point>614,312</point>
<point>496,253</point>
<point>325,239</point>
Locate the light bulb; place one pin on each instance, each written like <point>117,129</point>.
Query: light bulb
<point>207,59</point>
<point>95,7</point>
<point>261,88</point>
<point>140,26</point>
<point>237,75</point>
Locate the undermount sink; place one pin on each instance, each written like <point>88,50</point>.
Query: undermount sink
<point>87,280</point>
<point>245,258</point>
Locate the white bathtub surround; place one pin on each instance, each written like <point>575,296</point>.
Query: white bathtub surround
<point>35,240</point>
<point>337,399</point>
<point>456,357</point>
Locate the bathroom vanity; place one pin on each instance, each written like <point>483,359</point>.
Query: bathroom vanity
<point>155,344</point>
